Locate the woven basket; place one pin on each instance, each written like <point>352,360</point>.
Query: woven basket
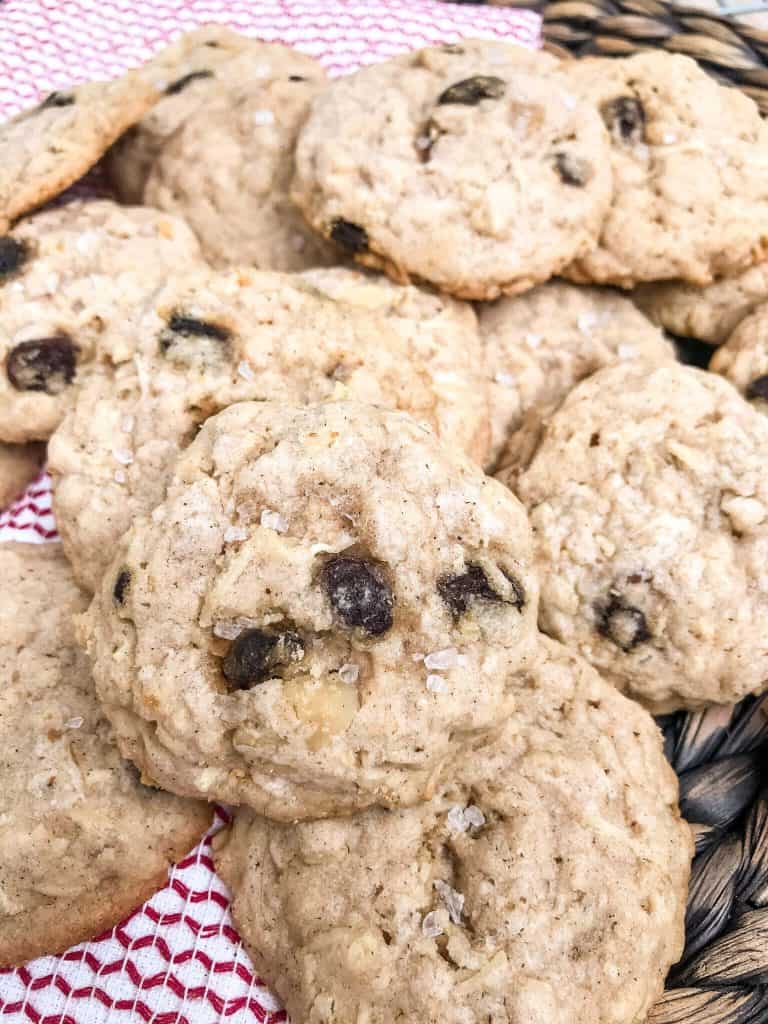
<point>720,755</point>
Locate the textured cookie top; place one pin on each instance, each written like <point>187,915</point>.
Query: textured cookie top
<point>539,345</point>
<point>46,149</point>
<point>325,609</point>
<point>70,278</point>
<point>238,202</point>
<point>743,359</point>
<point>210,339</point>
<point>648,499</point>
<point>82,842</point>
<point>711,313</point>
<point>472,166</point>
<point>546,883</point>
<point>690,172</point>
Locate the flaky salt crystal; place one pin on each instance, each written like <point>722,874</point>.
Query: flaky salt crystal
<point>128,424</point>
<point>348,673</point>
<point>452,900</point>
<point>436,684</point>
<point>123,456</point>
<point>505,379</point>
<point>474,817</point>
<point>430,925</point>
<point>461,819</point>
<point>447,658</point>
<point>263,117</point>
<point>74,723</point>
<point>245,371</point>
<point>119,476</point>
<point>586,322</point>
<point>626,351</point>
<point>233,533</point>
<point>273,521</point>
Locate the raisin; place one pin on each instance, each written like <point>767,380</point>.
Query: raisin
<point>120,588</point>
<point>181,83</point>
<point>189,327</point>
<point>758,388</point>
<point>469,91</point>
<point>258,654</point>
<point>57,99</point>
<point>187,339</point>
<point>296,78</point>
<point>460,591</point>
<point>45,364</point>
<point>359,594</point>
<point>625,119</point>
<point>622,623</point>
<point>349,236</point>
<point>572,169</point>
<point>13,256</point>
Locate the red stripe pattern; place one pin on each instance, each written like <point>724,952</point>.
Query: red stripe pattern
<point>178,958</point>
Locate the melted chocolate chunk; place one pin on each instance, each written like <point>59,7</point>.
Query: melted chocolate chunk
<point>469,91</point>
<point>13,256</point>
<point>460,591</point>
<point>181,83</point>
<point>622,623</point>
<point>45,364</point>
<point>625,119</point>
<point>349,236</point>
<point>572,169</point>
<point>359,594</point>
<point>259,654</point>
<point>57,99</point>
<point>120,588</point>
<point>758,388</point>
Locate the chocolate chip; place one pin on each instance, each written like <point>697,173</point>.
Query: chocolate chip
<point>359,594</point>
<point>625,119</point>
<point>460,591</point>
<point>181,83</point>
<point>349,236</point>
<point>120,588</point>
<point>758,388</point>
<point>57,99</point>
<point>469,91</point>
<point>296,78</point>
<point>259,654</point>
<point>13,256</point>
<point>573,170</point>
<point>622,623</point>
<point>45,364</point>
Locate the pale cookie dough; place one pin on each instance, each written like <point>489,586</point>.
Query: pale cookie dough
<point>82,842</point>
<point>70,280</point>
<point>46,149</point>
<point>743,359</point>
<point>210,339</point>
<point>710,314</point>
<point>539,345</point>
<point>472,166</point>
<point>19,465</point>
<point>690,172</point>
<point>544,884</point>
<point>326,608</point>
<point>648,498</point>
<point>197,67</point>
<point>238,202</point>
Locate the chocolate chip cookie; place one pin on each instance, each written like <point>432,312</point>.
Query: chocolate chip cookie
<point>648,499</point>
<point>70,279</point>
<point>19,465</point>
<point>326,608</point>
<point>209,339</point>
<point>472,166</point>
<point>690,172</point>
<point>539,345</point>
<point>545,882</point>
<point>82,841</point>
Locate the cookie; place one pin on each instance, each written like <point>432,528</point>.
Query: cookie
<point>648,500</point>
<point>328,605</point>
<point>238,203</point>
<point>47,148</point>
<point>710,314</point>
<point>539,345</point>
<point>82,841</point>
<point>198,67</point>
<point>545,882</point>
<point>743,359</point>
<point>690,172</point>
<point>19,465</point>
<point>471,166</point>
<point>70,278</point>
<point>211,339</point>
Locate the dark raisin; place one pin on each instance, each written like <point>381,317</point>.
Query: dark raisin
<point>187,339</point>
<point>13,256</point>
<point>469,91</point>
<point>258,654</point>
<point>296,78</point>
<point>45,364</point>
<point>181,83</point>
<point>349,236</point>
<point>625,119</point>
<point>622,623</point>
<point>460,591</point>
<point>120,588</point>
<point>57,99</point>
<point>359,594</point>
<point>758,388</point>
<point>189,327</point>
<point>572,169</point>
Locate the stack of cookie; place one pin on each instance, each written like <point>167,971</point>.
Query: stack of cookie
<point>397,574</point>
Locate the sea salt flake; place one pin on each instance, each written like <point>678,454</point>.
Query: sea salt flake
<point>263,117</point>
<point>123,456</point>
<point>230,629</point>
<point>452,900</point>
<point>474,816</point>
<point>119,476</point>
<point>430,925</point>
<point>233,533</point>
<point>74,723</point>
<point>447,658</point>
<point>569,101</point>
<point>586,322</point>
<point>533,340</point>
<point>245,371</point>
<point>626,351</point>
<point>128,424</point>
<point>261,70</point>
<point>348,673</point>
<point>436,684</point>
<point>506,380</point>
<point>669,138</point>
<point>461,819</point>
<point>273,521</point>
